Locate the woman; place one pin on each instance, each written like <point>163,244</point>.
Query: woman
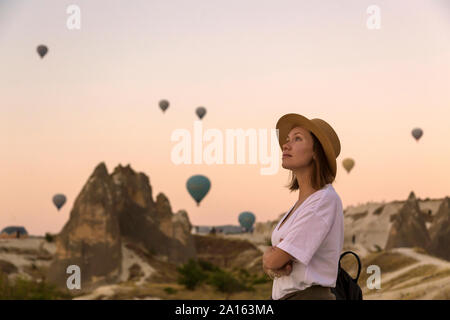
<point>308,240</point>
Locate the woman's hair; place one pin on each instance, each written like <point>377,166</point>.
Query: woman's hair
<point>321,171</point>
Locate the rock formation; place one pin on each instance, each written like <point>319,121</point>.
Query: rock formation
<point>408,228</point>
<point>112,209</point>
<point>91,238</point>
<point>150,223</point>
<point>440,231</point>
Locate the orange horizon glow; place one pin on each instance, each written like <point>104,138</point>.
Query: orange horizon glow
<point>94,98</point>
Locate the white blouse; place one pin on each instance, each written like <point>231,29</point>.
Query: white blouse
<point>314,236</point>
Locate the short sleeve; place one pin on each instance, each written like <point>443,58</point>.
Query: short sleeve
<point>309,229</point>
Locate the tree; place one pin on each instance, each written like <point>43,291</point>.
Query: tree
<point>191,274</point>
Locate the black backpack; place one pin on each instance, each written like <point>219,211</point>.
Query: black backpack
<point>347,288</point>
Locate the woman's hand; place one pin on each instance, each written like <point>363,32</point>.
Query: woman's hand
<point>276,273</point>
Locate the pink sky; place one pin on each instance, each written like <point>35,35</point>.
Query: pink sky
<point>94,98</point>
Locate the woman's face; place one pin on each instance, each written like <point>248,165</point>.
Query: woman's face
<point>298,149</point>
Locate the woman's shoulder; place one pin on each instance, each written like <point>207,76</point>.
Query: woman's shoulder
<point>326,193</point>
<point>322,199</point>
<point>330,193</point>
<point>327,199</point>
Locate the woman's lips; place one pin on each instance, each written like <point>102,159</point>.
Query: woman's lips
<point>286,155</point>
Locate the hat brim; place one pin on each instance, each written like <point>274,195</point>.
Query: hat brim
<point>288,121</point>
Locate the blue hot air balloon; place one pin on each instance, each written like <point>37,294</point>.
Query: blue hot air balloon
<point>246,219</point>
<point>198,186</point>
<point>59,200</point>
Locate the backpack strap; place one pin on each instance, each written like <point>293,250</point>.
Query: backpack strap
<point>357,258</point>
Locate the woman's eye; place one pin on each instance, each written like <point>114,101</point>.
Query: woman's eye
<point>287,140</point>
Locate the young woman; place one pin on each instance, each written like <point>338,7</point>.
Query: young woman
<point>307,242</point>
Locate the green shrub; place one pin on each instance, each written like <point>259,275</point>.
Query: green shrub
<point>243,273</point>
<point>268,241</point>
<point>194,272</point>
<point>22,289</point>
<point>261,279</point>
<point>191,274</point>
<point>170,290</point>
<point>225,282</point>
<point>49,237</point>
<point>207,266</point>
<point>251,279</point>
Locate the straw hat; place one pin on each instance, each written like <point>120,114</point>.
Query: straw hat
<point>321,129</point>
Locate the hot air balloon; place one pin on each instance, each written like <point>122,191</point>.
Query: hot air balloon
<point>200,111</point>
<point>59,200</point>
<point>42,50</point>
<point>417,133</point>
<point>164,104</point>
<point>198,186</point>
<point>348,164</point>
<point>246,219</point>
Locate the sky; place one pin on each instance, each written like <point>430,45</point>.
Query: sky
<point>94,98</point>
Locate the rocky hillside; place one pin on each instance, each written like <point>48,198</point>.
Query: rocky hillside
<point>28,258</point>
<point>111,212</point>
<point>129,246</point>
<point>406,273</point>
<point>124,242</point>
<point>407,239</point>
<point>229,253</point>
<point>410,223</point>
<point>374,226</point>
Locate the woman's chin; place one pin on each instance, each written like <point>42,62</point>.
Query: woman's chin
<point>285,166</point>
